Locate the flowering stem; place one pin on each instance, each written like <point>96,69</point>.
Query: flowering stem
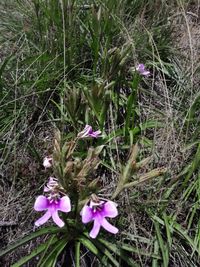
<point>77,254</point>
<point>127,171</point>
<point>131,103</point>
<point>76,207</point>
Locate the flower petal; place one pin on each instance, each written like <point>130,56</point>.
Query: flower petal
<point>109,227</point>
<point>47,162</point>
<point>110,209</point>
<point>86,214</point>
<point>85,131</point>
<point>64,204</point>
<point>57,219</point>
<point>95,134</point>
<point>140,67</point>
<point>95,230</point>
<point>88,128</point>
<point>145,72</point>
<point>43,219</point>
<point>41,203</point>
<point>46,189</point>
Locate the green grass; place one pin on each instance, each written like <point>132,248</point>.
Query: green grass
<point>65,64</point>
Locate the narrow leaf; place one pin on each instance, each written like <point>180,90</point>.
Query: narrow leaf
<point>48,230</point>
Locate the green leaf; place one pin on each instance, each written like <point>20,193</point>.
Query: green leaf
<point>118,250</point>
<point>167,226</point>
<point>48,230</point>
<point>156,251</point>
<point>91,103</point>
<point>106,252</point>
<point>92,248</point>
<point>51,258</point>
<point>89,245</point>
<point>140,252</point>
<point>174,227</point>
<point>162,245</point>
<point>34,253</point>
<point>194,166</point>
<point>151,124</point>
<point>129,111</point>
<point>45,251</point>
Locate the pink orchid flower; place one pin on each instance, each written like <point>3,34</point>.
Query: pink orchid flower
<point>88,132</point>
<point>47,162</point>
<point>97,212</point>
<point>141,69</point>
<point>52,204</point>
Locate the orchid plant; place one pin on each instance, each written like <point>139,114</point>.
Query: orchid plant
<point>70,199</point>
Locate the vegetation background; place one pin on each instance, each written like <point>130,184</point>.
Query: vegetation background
<point>68,63</point>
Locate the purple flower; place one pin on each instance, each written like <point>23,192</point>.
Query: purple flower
<point>97,212</point>
<point>47,162</point>
<point>52,204</point>
<point>141,69</point>
<point>88,132</point>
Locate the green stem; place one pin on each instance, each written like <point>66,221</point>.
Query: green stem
<point>77,254</point>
